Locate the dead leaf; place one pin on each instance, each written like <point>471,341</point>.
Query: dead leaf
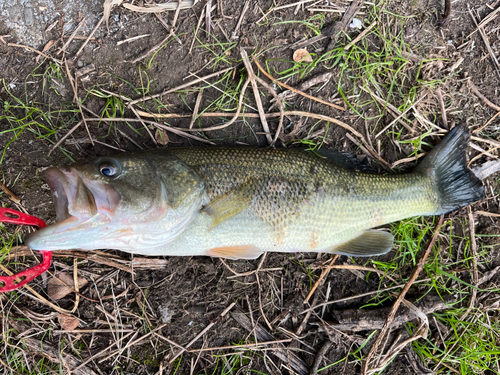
<point>108,5</point>
<point>161,137</point>
<point>49,44</point>
<point>68,322</point>
<point>57,287</point>
<point>301,55</point>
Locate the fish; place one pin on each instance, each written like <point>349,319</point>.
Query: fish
<point>238,202</point>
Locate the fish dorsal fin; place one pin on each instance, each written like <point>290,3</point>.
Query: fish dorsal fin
<point>345,160</point>
<point>230,204</point>
<point>370,243</point>
<point>235,252</point>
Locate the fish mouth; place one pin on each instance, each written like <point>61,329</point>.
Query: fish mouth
<point>81,205</point>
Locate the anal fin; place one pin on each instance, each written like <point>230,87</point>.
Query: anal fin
<point>235,252</point>
<point>370,243</point>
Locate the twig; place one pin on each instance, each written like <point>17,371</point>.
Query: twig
<point>441,106</point>
<point>486,42</point>
<point>356,267</point>
<point>183,86</point>
<point>251,319</point>
<point>407,160</point>
<point>153,49</point>
<point>390,108</point>
<point>360,36</point>
<point>197,28</point>
<point>59,62</point>
<point>77,100</point>
<point>295,90</point>
<point>400,116</point>
<point>201,333</point>
<point>280,107</point>
<point>89,38</point>
<point>235,36</point>
<point>72,36</point>
<point>34,295</point>
<point>446,16</point>
<point>473,247</point>
<point>282,7</point>
<point>360,296</point>
<point>321,277</point>
<point>11,195</point>
<point>256,93</point>
<point>487,122</point>
<point>368,151</point>
<point>319,357</point>
<point>482,97</point>
<point>242,346</point>
<point>394,309</point>
<point>196,108</point>
<point>174,130</point>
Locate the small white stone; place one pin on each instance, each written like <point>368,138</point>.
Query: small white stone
<point>166,316</point>
<point>356,24</point>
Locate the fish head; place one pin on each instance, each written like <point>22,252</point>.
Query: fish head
<point>124,202</point>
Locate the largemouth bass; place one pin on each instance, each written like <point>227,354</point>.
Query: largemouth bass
<point>239,202</point>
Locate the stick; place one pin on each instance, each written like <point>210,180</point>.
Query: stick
<point>59,62</point>
<point>360,36</point>
<point>196,108</point>
<point>321,277</point>
<point>235,36</point>
<point>295,90</point>
<point>473,247</point>
<point>9,193</point>
<point>256,95</point>
<point>441,106</point>
<point>88,39</point>
<point>202,333</point>
<point>242,346</point>
<point>183,86</point>
<point>278,103</point>
<point>75,92</point>
<point>319,357</point>
<point>394,309</point>
<point>172,129</point>
<point>475,90</point>
<point>72,36</point>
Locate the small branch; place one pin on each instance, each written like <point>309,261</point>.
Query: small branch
<point>201,333</point>
<point>256,94</point>
<point>475,90</point>
<point>295,90</point>
<point>397,303</point>
<point>9,193</point>
<point>196,108</point>
<point>183,86</point>
<point>321,277</point>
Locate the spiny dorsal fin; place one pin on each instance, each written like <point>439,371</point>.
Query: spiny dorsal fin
<point>369,243</point>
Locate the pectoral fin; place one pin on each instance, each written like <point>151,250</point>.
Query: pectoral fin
<point>230,204</point>
<point>369,243</point>
<point>235,252</point>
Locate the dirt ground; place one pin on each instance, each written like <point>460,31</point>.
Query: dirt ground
<point>135,313</point>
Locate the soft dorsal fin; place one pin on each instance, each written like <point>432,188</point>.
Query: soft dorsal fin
<point>230,204</point>
<point>345,160</point>
<point>370,243</point>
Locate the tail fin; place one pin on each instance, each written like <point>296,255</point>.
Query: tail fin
<point>446,165</point>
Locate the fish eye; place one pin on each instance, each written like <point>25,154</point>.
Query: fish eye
<point>108,169</point>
